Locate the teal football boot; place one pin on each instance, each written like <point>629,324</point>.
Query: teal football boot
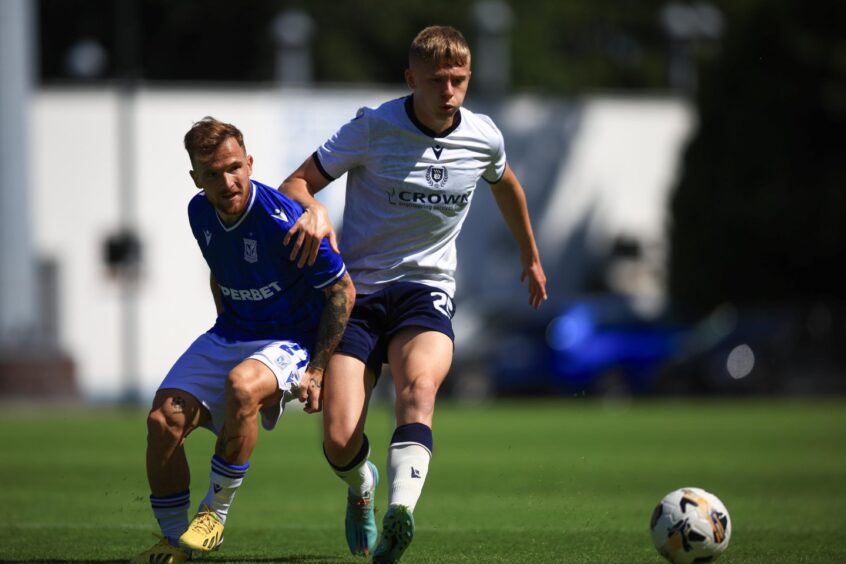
<point>360,522</point>
<point>397,534</point>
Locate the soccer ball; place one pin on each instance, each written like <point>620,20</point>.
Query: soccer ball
<point>690,525</point>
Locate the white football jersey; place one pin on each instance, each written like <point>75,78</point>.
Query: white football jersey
<point>408,191</point>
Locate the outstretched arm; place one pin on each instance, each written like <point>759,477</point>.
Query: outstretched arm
<point>511,201</point>
<point>339,303</point>
<point>313,225</point>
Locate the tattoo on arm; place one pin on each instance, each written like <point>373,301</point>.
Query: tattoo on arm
<point>178,404</point>
<point>336,312</point>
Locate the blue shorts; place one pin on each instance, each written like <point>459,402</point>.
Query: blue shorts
<point>377,317</point>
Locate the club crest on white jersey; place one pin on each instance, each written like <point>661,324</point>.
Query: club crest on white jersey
<point>437,176</point>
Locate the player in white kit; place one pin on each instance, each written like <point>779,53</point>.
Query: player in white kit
<point>275,330</point>
<point>412,165</point>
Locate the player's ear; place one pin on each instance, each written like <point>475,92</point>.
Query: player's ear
<point>409,78</point>
<point>250,165</point>
<point>194,178</point>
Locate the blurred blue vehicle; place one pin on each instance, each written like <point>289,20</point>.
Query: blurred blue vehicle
<point>591,354</point>
<point>597,346</point>
<point>602,346</point>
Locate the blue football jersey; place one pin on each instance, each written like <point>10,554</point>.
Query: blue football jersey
<point>265,295</point>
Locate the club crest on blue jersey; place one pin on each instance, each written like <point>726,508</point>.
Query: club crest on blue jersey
<point>250,250</point>
<point>437,176</point>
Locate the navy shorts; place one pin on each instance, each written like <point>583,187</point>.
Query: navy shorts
<point>377,317</point>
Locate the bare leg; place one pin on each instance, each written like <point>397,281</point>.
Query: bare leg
<point>420,360</point>
<point>347,389</point>
<point>172,418</point>
<point>249,387</point>
<point>348,385</point>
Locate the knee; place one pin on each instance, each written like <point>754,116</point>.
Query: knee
<point>338,443</point>
<point>242,392</point>
<point>418,392</point>
<point>165,427</point>
<point>335,440</point>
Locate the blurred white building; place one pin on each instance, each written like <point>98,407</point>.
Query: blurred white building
<point>597,172</point>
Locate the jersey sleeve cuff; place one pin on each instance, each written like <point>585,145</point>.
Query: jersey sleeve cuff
<point>333,279</point>
<point>319,166</point>
<point>494,181</point>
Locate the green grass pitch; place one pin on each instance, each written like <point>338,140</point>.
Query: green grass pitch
<point>545,481</point>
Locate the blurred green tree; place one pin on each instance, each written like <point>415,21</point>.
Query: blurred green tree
<point>556,47</point>
<point>758,215</point>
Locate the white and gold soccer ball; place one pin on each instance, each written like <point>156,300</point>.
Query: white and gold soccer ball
<point>690,525</point>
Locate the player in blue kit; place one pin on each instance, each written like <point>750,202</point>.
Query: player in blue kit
<point>412,165</point>
<point>276,328</point>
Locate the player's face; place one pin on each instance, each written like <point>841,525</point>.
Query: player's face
<point>438,92</point>
<point>225,178</point>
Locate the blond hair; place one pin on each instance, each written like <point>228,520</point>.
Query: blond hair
<point>440,44</point>
<point>206,135</point>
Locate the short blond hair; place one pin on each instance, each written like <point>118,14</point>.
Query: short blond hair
<point>440,44</point>
<point>206,135</point>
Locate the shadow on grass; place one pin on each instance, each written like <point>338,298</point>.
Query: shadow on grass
<point>281,559</point>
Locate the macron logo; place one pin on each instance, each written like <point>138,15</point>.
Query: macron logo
<point>279,214</point>
<point>415,473</point>
<point>217,488</point>
<point>207,233</point>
